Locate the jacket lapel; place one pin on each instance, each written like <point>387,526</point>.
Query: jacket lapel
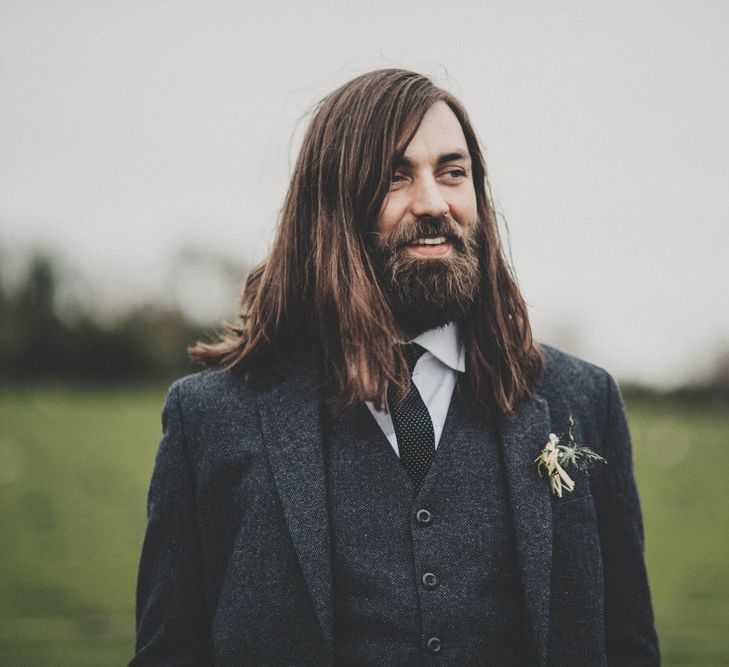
<point>523,436</point>
<point>292,431</point>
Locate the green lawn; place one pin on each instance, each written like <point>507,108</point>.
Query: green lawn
<point>74,469</point>
<point>682,462</point>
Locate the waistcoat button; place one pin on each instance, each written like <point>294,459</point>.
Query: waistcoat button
<point>429,580</point>
<point>433,645</point>
<point>423,517</point>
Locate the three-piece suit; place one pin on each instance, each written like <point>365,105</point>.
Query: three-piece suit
<point>284,532</point>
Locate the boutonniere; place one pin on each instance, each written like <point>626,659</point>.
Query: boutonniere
<point>559,454</point>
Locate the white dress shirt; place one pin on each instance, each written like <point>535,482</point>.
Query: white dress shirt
<point>435,375</point>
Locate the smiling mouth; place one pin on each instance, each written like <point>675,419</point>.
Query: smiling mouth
<point>433,246</point>
<point>436,240</point>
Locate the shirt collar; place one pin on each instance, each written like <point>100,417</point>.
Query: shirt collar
<point>445,345</point>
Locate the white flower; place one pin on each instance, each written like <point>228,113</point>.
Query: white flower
<point>557,454</point>
<point>549,459</point>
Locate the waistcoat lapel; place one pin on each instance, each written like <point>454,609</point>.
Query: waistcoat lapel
<point>523,436</point>
<point>292,431</point>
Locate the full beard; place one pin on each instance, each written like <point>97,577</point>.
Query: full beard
<point>426,293</point>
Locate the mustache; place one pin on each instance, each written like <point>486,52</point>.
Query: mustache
<point>408,231</point>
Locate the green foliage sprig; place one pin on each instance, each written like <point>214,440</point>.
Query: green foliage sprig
<point>558,455</point>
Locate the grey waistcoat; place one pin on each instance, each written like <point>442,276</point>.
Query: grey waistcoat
<point>414,587</point>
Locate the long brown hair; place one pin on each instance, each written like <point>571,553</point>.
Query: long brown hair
<point>318,288</point>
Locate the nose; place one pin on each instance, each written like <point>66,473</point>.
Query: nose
<point>427,199</point>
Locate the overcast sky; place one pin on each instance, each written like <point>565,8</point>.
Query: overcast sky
<point>131,129</point>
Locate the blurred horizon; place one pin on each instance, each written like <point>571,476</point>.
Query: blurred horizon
<point>53,327</point>
<point>134,135</point>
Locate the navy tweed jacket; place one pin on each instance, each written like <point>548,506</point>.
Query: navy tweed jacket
<point>236,565</point>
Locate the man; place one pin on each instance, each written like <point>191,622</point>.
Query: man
<point>355,480</point>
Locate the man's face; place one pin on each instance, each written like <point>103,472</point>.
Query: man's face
<point>427,241</point>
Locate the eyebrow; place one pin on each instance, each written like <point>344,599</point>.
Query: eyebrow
<point>443,158</point>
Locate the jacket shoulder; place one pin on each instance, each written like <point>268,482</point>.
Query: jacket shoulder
<point>210,388</point>
<point>214,402</point>
<point>568,373</point>
<point>575,385</point>
<point>206,387</point>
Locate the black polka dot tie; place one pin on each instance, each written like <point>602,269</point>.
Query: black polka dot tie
<point>413,426</point>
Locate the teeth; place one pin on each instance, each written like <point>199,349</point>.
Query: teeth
<point>434,241</point>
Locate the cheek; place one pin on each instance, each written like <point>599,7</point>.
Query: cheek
<point>465,209</point>
<point>389,216</point>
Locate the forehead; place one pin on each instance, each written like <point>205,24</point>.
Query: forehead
<point>439,132</point>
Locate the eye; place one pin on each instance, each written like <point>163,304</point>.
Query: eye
<point>455,173</point>
<point>397,179</point>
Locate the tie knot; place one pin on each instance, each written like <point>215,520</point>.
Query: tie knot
<point>412,352</point>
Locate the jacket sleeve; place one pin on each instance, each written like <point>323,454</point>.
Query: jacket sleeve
<point>629,628</point>
<point>171,617</point>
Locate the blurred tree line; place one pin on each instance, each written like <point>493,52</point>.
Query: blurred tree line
<point>148,342</point>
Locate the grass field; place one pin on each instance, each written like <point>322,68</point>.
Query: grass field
<point>74,469</point>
